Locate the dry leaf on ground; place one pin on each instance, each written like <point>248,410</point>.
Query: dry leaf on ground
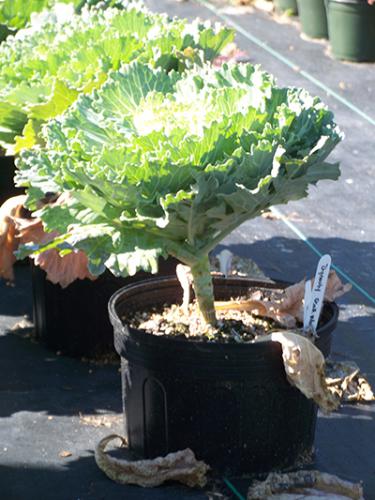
<point>304,485</point>
<point>293,216</point>
<point>24,324</point>
<point>65,454</point>
<point>346,381</point>
<point>304,367</point>
<point>181,466</point>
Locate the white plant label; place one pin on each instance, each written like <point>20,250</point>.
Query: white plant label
<point>317,293</point>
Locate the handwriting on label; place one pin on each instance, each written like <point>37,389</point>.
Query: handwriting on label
<point>306,305</point>
<point>317,293</point>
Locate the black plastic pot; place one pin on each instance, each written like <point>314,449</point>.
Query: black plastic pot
<point>230,403</point>
<point>7,171</point>
<point>74,320</point>
<point>351,26</point>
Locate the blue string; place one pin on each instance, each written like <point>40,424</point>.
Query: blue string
<point>287,61</point>
<point>233,489</point>
<point>305,239</point>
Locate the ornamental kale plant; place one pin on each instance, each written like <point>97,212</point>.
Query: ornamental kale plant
<point>16,14</point>
<point>45,67</point>
<point>157,163</point>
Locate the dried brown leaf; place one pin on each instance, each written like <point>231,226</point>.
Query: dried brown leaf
<point>311,484</point>
<point>304,367</point>
<point>181,466</point>
<point>346,381</point>
<point>288,309</point>
<point>31,231</point>
<point>292,301</point>
<point>8,235</point>
<point>64,270</point>
<point>65,454</point>
<point>16,230</point>
<point>335,287</point>
<point>24,324</point>
<point>59,269</point>
<point>292,216</point>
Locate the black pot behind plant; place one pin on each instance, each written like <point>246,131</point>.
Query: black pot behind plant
<point>75,320</point>
<point>230,403</point>
<point>7,171</point>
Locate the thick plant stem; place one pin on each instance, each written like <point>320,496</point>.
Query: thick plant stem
<point>203,288</point>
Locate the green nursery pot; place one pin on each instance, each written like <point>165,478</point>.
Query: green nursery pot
<point>351,26</point>
<point>286,6</point>
<point>313,17</point>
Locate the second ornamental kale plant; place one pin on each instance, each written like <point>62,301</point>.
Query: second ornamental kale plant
<point>63,54</point>
<point>159,163</point>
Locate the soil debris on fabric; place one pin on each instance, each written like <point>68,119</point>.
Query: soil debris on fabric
<point>110,358</point>
<point>105,420</point>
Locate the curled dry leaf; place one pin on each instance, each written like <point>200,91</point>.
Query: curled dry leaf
<point>59,269</point>
<point>260,308</point>
<point>8,238</point>
<point>288,308</point>
<point>181,466</point>
<point>293,216</point>
<point>304,485</point>
<point>304,368</point>
<point>65,454</point>
<point>16,230</point>
<point>335,287</point>
<point>64,270</point>
<point>346,381</point>
<point>292,301</point>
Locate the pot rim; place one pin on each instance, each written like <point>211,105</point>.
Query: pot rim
<point>265,283</point>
